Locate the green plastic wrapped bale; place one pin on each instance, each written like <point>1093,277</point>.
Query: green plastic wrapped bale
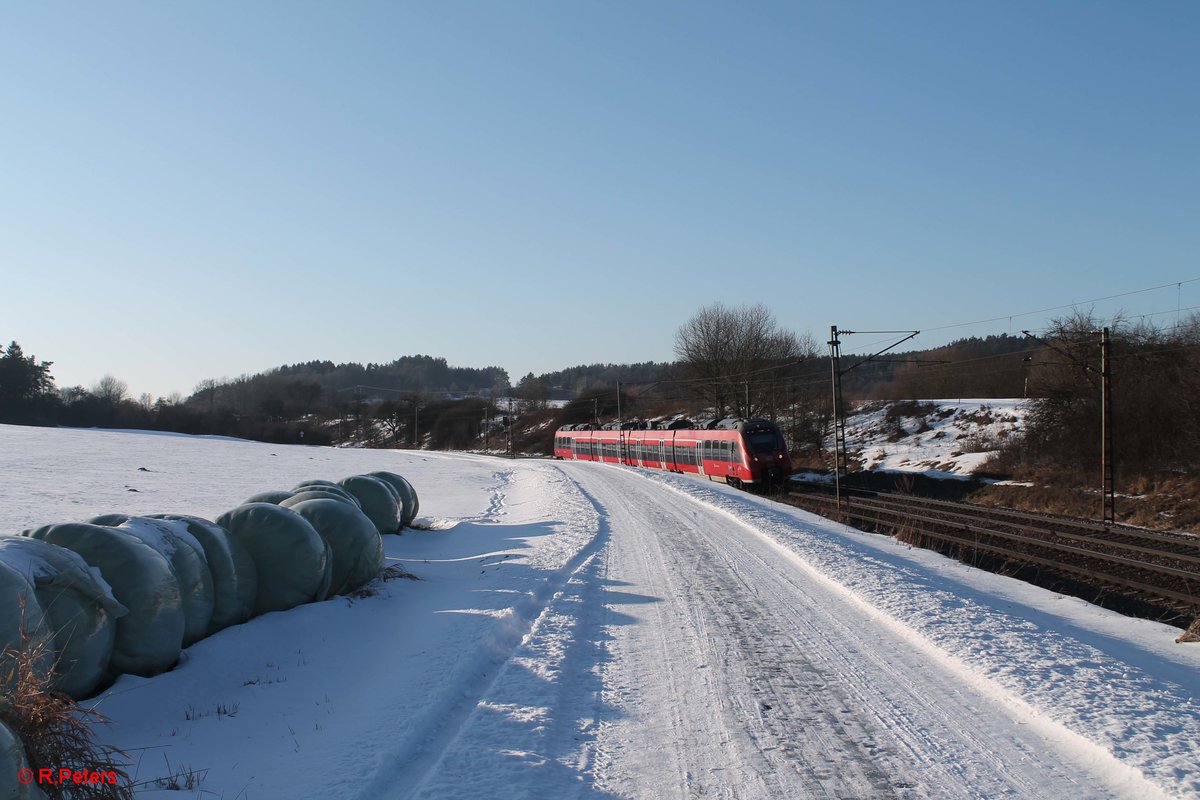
<point>79,607</point>
<point>323,592</point>
<point>234,577</point>
<point>378,500</point>
<point>315,482</point>
<point>150,635</point>
<point>23,625</point>
<point>357,547</point>
<point>273,497</point>
<point>408,496</point>
<point>322,486</point>
<point>416,509</point>
<point>288,554</point>
<point>12,761</point>
<point>109,520</point>
<point>314,493</point>
<point>186,554</point>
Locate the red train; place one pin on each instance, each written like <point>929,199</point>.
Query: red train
<point>740,452</point>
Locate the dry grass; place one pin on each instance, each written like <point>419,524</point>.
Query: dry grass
<point>394,572</point>
<point>1168,502</point>
<point>1192,634</point>
<point>57,732</point>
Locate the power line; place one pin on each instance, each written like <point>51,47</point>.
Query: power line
<point>1060,307</point>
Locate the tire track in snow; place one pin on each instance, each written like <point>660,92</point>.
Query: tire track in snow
<point>408,767</point>
<point>717,687</point>
<point>765,684</point>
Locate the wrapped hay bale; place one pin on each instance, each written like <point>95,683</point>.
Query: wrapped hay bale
<point>324,486</point>
<point>109,520</point>
<point>148,638</point>
<point>186,555</point>
<point>416,501</point>
<point>23,625</point>
<point>315,482</point>
<point>353,538</point>
<point>288,554</point>
<point>12,761</point>
<point>234,576</point>
<point>79,607</point>
<point>323,592</point>
<point>408,495</point>
<point>274,497</point>
<point>317,493</point>
<point>378,499</point>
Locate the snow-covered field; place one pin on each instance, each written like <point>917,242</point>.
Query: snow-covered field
<point>586,630</point>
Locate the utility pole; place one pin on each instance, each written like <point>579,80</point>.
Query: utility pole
<point>840,457</point>
<point>1108,510</point>
<point>1106,431</point>
<point>620,430</point>
<point>839,422</point>
<point>746,385</point>
<point>416,429</point>
<point>486,431</point>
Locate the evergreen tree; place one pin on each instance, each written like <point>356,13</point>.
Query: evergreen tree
<point>24,385</point>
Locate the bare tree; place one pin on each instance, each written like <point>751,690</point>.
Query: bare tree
<point>1155,382</point>
<point>738,359</point>
<point>111,390</point>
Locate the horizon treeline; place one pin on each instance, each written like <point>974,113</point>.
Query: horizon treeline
<point>422,400</point>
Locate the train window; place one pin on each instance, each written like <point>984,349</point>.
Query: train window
<point>763,441</point>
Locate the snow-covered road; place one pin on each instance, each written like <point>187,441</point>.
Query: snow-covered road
<point>584,630</point>
<point>737,675</point>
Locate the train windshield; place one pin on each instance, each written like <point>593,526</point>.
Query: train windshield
<point>763,441</point>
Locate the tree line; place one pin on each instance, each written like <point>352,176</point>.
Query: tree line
<point>730,362</point>
<point>314,403</point>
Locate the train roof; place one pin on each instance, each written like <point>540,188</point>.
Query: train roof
<point>727,424</point>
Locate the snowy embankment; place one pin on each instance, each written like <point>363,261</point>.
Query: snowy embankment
<point>941,438</point>
<point>591,630</point>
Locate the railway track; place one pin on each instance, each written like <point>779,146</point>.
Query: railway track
<point>1151,573</point>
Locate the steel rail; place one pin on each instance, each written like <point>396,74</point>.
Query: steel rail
<point>1089,539</point>
<point>871,512</point>
<point>1174,537</point>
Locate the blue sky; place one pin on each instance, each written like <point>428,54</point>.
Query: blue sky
<point>197,190</point>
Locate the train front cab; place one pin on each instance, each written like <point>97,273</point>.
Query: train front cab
<point>766,452</point>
